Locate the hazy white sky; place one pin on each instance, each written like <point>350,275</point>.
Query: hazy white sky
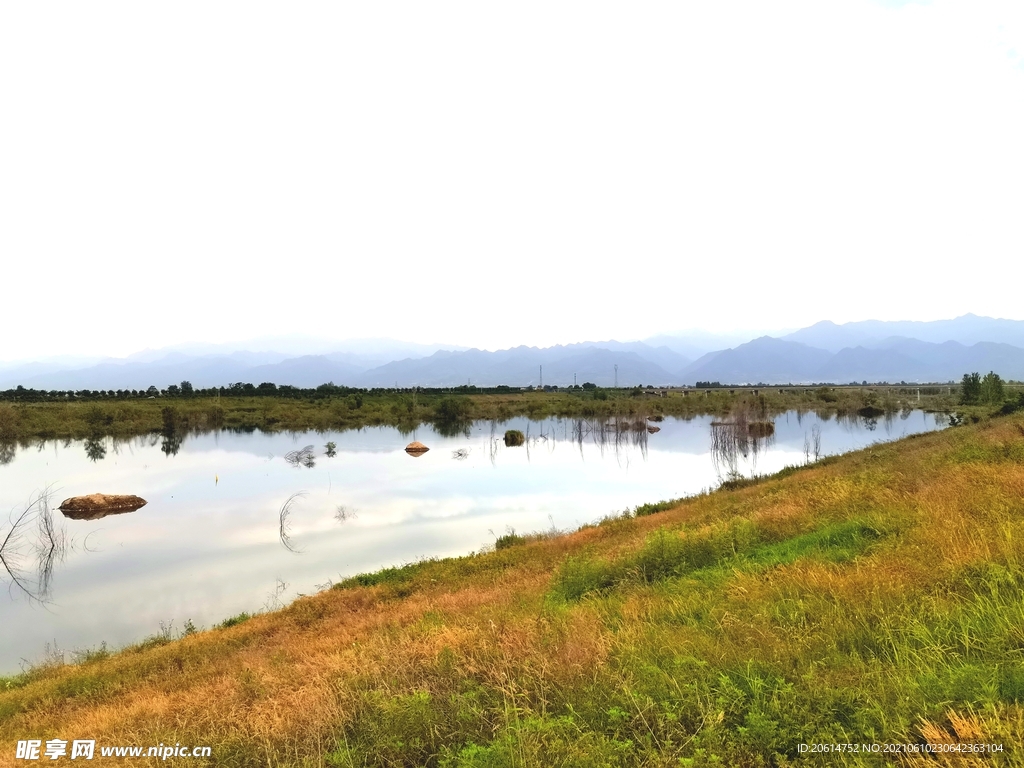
<point>493,174</point>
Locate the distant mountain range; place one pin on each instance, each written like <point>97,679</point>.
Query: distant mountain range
<point>595,362</point>
<point>894,359</point>
<point>967,330</point>
<point>825,352</point>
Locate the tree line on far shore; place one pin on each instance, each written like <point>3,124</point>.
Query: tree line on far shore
<point>976,389</point>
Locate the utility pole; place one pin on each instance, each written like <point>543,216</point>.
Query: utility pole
<point>616,375</point>
<point>574,381</point>
<point>542,377</point>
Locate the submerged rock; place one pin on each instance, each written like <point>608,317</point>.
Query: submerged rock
<point>416,448</point>
<point>98,505</point>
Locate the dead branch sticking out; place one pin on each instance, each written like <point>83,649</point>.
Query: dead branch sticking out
<point>305,457</point>
<point>50,547</point>
<point>284,523</point>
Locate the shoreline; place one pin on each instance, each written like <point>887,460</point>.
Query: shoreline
<point>119,417</point>
<point>811,584</point>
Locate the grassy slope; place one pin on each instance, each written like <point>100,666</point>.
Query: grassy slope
<point>878,597</point>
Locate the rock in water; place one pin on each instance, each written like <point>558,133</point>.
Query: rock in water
<point>416,448</point>
<point>98,505</point>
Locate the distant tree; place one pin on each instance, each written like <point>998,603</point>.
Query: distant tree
<point>992,388</point>
<point>173,390</point>
<point>152,392</point>
<point>970,388</point>
<point>186,389</point>
<point>589,385</point>
<point>452,409</point>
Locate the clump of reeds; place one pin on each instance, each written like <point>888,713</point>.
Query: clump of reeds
<point>744,432</point>
<point>870,411</point>
<point>514,437</point>
<point>760,428</point>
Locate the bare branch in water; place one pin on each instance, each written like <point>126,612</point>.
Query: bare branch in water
<point>10,550</point>
<point>51,546</point>
<point>341,513</point>
<point>306,457</point>
<point>284,524</point>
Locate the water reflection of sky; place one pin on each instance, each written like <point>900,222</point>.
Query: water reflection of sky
<point>207,544</point>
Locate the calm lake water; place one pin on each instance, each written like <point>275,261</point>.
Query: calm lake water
<point>208,546</point>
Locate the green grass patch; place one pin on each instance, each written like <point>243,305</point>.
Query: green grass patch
<point>670,554</point>
<point>509,539</point>
<point>403,580</point>
<point>234,621</point>
<point>658,506</point>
